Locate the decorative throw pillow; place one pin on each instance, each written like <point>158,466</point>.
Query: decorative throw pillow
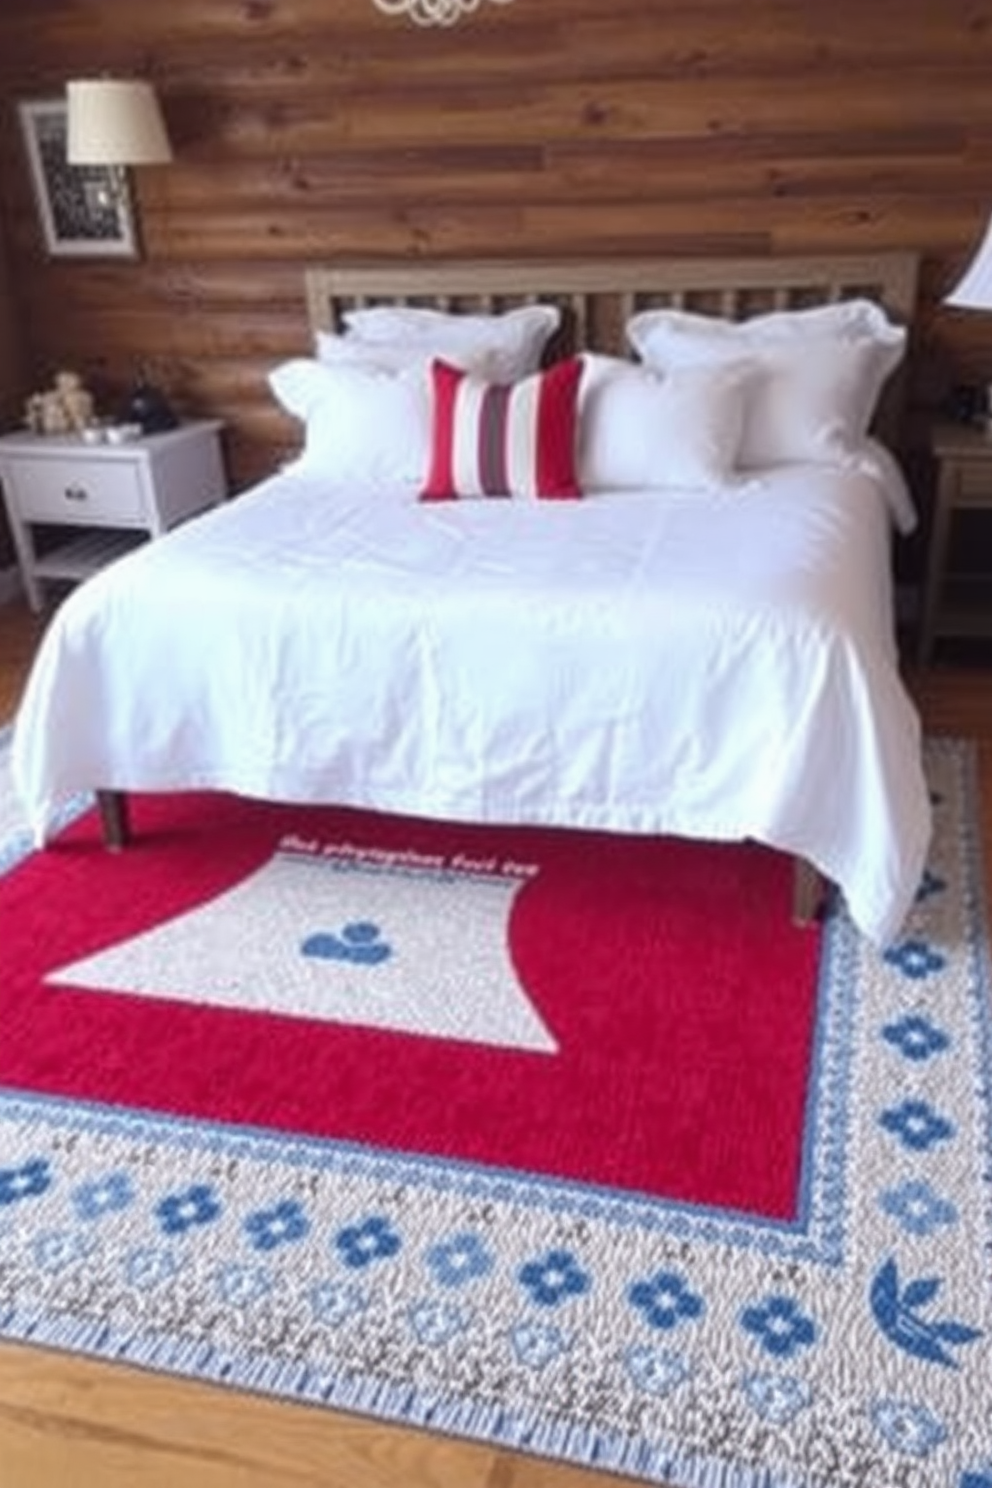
<point>492,439</point>
<point>638,429</point>
<point>821,371</point>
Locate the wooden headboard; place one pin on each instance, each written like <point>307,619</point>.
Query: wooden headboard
<point>598,296</point>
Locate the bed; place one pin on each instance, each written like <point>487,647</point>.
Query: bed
<point>715,663</point>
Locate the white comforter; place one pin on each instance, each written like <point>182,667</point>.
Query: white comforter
<point>716,666</point>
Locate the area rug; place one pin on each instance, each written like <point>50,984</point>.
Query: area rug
<point>559,1141</point>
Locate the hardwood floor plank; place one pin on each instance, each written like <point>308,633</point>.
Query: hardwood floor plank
<point>64,1419</point>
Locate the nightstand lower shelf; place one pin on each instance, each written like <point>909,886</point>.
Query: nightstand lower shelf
<point>956,601</point>
<point>88,550</point>
<point>965,608</point>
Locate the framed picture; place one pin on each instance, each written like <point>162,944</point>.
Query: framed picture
<point>85,210</point>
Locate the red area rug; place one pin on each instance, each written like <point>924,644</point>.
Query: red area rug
<point>667,974</point>
<point>567,1143</point>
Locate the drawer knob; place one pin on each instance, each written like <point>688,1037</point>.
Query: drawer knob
<point>76,493</point>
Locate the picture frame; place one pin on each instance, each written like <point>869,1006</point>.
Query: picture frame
<point>84,210</point>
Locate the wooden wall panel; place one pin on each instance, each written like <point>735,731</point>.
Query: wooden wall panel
<point>11,389</point>
<point>312,129</point>
<point>11,386</point>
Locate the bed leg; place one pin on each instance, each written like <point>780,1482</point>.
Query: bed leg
<point>809,892</point>
<point>114,819</point>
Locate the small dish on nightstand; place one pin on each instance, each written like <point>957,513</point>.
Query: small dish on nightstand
<point>123,433</point>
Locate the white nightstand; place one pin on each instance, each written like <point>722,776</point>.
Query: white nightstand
<point>109,497</point>
<point>956,605</point>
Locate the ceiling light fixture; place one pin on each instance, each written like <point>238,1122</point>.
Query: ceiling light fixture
<point>432,12</point>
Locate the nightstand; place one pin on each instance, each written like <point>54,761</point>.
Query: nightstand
<point>956,605</point>
<point>109,498</point>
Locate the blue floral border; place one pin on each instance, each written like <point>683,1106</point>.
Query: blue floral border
<point>979,949</point>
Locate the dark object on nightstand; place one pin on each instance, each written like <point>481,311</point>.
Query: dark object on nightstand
<point>149,407</point>
<point>966,404</point>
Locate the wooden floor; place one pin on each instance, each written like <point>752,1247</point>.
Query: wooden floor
<point>64,1420</point>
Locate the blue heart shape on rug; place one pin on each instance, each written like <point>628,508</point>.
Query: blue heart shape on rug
<point>357,942</point>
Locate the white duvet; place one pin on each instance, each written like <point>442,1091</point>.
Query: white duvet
<point>709,665</point>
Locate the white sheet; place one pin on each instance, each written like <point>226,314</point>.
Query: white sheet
<point>717,666</point>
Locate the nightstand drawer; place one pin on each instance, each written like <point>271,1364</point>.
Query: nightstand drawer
<point>95,492</point>
<point>974,483</point>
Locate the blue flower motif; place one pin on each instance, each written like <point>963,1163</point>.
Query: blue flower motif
<point>779,1326</point>
<point>25,1182</point>
<point>655,1371</point>
<point>916,1037</point>
<point>917,1125</point>
<point>372,1239</point>
<point>554,1277</point>
<point>458,1259</point>
<point>917,1208</point>
<point>242,1285</point>
<point>196,1205</point>
<point>980,1477</point>
<point>57,1249</point>
<point>435,1322</point>
<point>908,1428</point>
<point>665,1299</point>
<point>333,1302</point>
<point>930,884</point>
<point>147,1267</point>
<point>536,1344</point>
<point>916,959</point>
<point>107,1195</point>
<point>280,1225</point>
<point>777,1397</point>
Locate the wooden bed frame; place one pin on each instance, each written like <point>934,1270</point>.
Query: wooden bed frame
<point>596,299</point>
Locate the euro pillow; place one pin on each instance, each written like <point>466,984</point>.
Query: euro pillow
<point>638,429</point>
<point>498,439</point>
<point>818,372</point>
<point>363,425</point>
<point>413,356</point>
<point>512,342</point>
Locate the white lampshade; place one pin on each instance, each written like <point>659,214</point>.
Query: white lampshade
<point>974,290</point>
<point>115,122</point>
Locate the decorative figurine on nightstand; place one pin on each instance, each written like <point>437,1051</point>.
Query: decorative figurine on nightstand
<point>76,400</point>
<point>64,408</point>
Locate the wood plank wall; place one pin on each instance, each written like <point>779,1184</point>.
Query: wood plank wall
<point>11,379</point>
<point>309,129</point>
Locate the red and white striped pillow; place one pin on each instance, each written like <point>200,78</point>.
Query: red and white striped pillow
<point>516,439</point>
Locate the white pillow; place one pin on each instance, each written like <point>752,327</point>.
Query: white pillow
<point>413,356</point>
<point>512,342</point>
<point>365,425</point>
<point>821,371</point>
<point>638,429</point>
